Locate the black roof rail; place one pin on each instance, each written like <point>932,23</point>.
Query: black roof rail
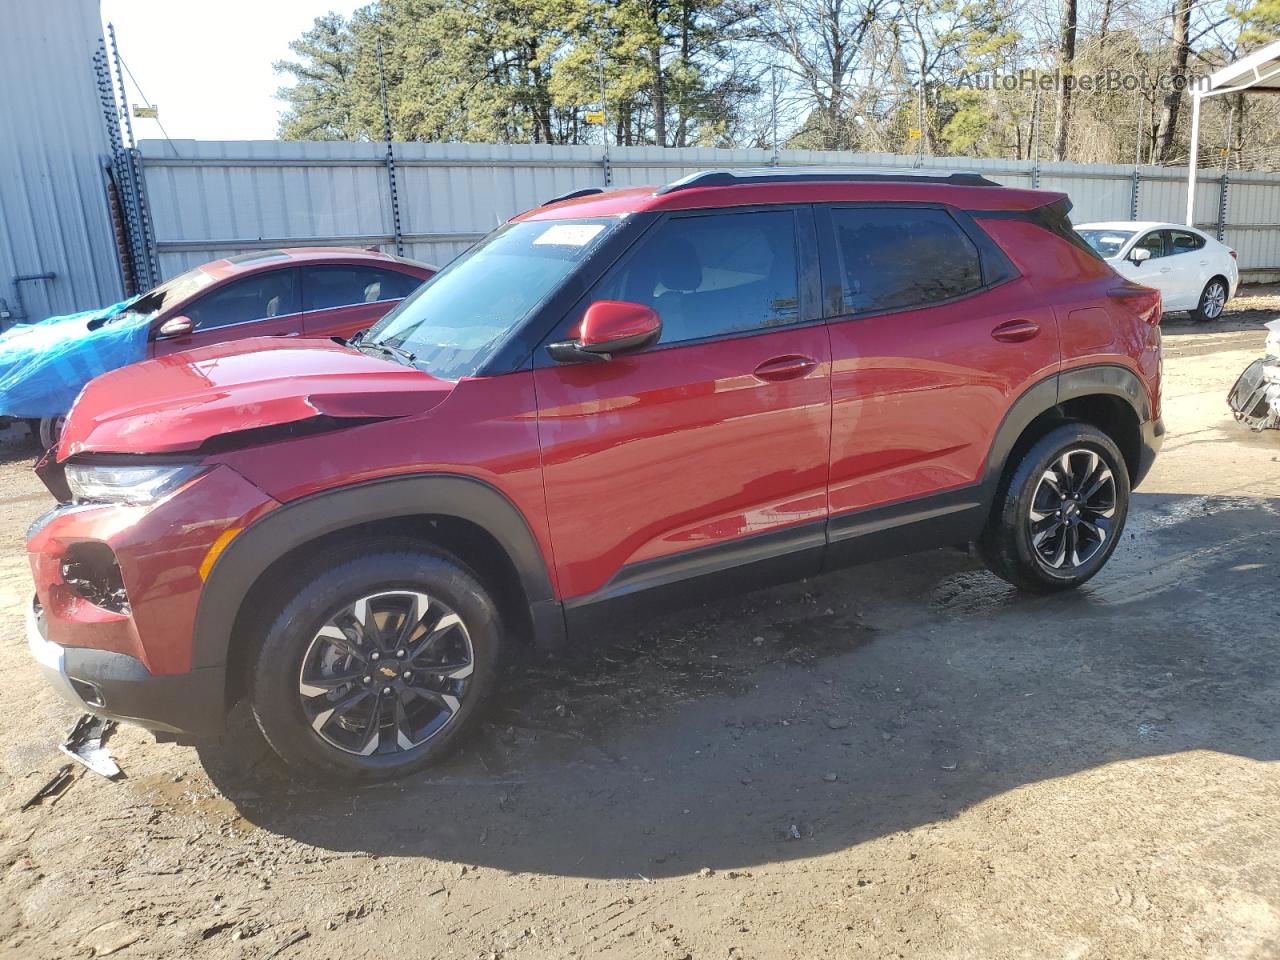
<point>727,178</point>
<point>573,194</point>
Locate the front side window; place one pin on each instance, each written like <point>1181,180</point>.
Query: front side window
<point>1153,241</point>
<point>459,318</point>
<point>1183,241</point>
<point>894,258</point>
<point>328,287</point>
<point>259,297</point>
<point>707,276</point>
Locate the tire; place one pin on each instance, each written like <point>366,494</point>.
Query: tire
<point>310,689</point>
<point>1213,300</point>
<point>50,431</point>
<point>1032,525</point>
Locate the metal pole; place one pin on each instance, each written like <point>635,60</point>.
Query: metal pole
<point>391,157</point>
<point>604,127</point>
<point>1194,159</point>
<point>774,118</point>
<point>1035,141</point>
<point>1224,186</point>
<point>124,97</point>
<point>1137,135</point>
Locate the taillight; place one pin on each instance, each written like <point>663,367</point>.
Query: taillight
<point>1143,300</point>
<point>1234,255</point>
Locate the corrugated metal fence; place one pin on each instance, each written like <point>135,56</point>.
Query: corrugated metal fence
<point>57,245</point>
<point>213,199</point>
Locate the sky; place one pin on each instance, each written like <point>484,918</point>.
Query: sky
<point>208,68</point>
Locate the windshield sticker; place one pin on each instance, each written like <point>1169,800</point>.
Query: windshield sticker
<point>569,234</point>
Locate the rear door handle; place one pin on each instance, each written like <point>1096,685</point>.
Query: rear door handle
<point>785,368</point>
<point>1015,331</point>
<point>1165,269</point>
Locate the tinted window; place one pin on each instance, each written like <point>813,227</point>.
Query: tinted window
<point>259,297</point>
<point>324,288</point>
<point>1153,241</point>
<point>1182,241</point>
<point>712,275</point>
<point>890,258</point>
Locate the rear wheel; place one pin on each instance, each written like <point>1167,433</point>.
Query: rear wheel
<point>376,666</point>
<point>1060,512</point>
<point>1213,300</point>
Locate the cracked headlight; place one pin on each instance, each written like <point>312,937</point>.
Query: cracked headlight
<point>127,483</point>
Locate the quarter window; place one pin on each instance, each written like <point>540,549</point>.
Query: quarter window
<point>708,276</point>
<point>324,288</point>
<point>893,258</point>
<point>259,297</point>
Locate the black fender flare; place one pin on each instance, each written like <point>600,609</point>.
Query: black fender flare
<point>308,518</point>
<point>1098,379</point>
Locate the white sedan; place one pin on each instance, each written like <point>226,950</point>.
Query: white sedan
<point>1191,270</point>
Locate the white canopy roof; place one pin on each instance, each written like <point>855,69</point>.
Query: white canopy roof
<point>1259,72</point>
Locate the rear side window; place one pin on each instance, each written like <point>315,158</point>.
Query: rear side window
<point>262,296</point>
<point>324,288</point>
<point>1183,241</point>
<point>712,275</point>
<point>892,258</point>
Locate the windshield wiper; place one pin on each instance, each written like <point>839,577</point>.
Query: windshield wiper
<point>401,355</point>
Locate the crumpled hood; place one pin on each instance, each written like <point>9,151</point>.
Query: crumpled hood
<point>178,402</point>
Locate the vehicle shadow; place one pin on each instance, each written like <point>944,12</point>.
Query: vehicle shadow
<point>805,719</point>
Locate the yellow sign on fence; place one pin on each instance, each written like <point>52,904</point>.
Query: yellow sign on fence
<point>595,116</point>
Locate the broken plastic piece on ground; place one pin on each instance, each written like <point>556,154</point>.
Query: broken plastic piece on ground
<point>86,744</point>
<point>1255,397</point>
<point>54,789</point>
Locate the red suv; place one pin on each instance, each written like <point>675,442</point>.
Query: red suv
<point>735,379</point>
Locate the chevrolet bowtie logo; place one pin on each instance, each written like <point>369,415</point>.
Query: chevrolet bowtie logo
<point>388,672</point>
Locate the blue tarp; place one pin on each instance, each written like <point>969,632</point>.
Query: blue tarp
<point>44,366</point>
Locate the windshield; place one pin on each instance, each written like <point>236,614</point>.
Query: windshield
<point>174,290</point>
<point>1108,243</point>
<point>455,321</point>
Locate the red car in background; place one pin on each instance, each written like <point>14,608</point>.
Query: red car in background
<point>295,292</point>
<point>300,291</point>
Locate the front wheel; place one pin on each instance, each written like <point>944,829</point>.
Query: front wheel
<point>1060,511</point>
<point>49,431</point>
<point>1213,300</point>
<point>377,665</point>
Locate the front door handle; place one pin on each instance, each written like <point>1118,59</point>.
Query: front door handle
<point>785,368</point>
<point>1015,331</point>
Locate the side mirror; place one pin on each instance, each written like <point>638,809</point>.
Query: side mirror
<point>1140,255</point>
<point>609,327</point>
<point>178,326</point>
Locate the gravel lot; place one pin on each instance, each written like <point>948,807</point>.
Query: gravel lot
<point>900,760</point>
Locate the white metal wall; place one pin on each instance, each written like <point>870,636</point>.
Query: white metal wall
<point>214,199</point>
<point>53,143</point>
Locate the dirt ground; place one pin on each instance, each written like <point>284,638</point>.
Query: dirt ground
<point>901,760</point>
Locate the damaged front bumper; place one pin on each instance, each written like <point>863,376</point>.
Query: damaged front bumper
<point>1255,397</point>
<point>120,687</point>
